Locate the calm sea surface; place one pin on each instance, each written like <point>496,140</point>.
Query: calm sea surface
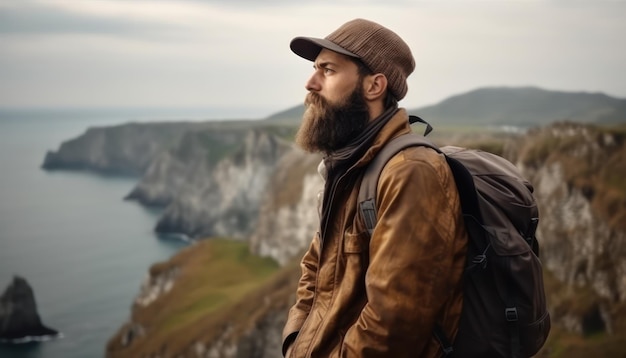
<point>82,248</point>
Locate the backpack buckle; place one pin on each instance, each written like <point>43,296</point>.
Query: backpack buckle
<point>480,260</point>
<point>511,314</point>
<point>447,351</point>
<point>368,211</point>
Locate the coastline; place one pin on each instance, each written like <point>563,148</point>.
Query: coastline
<point>84,249</point>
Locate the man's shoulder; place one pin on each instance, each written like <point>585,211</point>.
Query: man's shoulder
<point>417,163</point>
<point>417,158</point>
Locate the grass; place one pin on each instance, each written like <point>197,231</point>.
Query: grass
<point>214,274</point>
<point>562,344</point>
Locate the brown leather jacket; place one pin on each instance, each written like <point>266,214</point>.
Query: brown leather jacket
<point>381,296</point>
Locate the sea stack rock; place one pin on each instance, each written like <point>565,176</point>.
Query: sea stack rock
<point>19,319</point>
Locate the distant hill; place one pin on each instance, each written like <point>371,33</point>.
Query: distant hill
<point>519,106</point>
<point>290,114</point>
<point>525,106</point>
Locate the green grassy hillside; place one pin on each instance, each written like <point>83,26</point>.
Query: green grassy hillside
<point>214,285</point>
<point>525,106</point>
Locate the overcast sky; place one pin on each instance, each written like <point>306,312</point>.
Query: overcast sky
<point>234,55</point>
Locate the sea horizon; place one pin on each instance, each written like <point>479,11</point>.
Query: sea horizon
<point>123,114</point>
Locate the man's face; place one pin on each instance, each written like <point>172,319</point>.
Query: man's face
<point>335,108</point>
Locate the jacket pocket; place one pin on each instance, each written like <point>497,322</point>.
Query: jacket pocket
<point>354,259</point>
<point>355,243</point>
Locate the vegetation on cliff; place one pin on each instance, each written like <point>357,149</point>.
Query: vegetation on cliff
<point>592,158</point>
<point>214,286</point>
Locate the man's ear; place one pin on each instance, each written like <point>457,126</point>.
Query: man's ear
<point>375,86</point>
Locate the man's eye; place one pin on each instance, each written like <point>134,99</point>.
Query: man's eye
<point>328,71</point>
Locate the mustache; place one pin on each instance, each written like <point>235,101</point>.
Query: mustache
<point>315,99</point>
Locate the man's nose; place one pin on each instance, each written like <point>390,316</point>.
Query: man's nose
<point>313,83</point>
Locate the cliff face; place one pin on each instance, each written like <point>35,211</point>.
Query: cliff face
<point>582,207</point>
<point>126,149</point>
<point>187,162</point>
<point>288,217</point>
<point>225,200</point>
<point>209,176</point>
<point>578,176</point>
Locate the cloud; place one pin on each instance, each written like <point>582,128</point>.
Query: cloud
<point>235,53</point>
<point>42,19</point>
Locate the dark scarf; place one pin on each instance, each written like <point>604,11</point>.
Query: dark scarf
<point>338,162</point>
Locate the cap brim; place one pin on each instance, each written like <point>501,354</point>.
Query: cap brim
<point>310,47</point>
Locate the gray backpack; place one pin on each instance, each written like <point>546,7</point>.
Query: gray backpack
<point>504,307</point>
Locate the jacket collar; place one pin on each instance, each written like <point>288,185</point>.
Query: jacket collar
<point>397,125</point>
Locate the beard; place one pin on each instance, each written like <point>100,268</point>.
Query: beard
<point>327,127</point>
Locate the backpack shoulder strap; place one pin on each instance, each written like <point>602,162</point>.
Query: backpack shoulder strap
<point>369,183</point>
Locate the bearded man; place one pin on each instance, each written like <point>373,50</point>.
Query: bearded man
<point>378,295</point>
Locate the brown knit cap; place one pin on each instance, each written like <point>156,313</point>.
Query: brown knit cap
<point>379,48</point>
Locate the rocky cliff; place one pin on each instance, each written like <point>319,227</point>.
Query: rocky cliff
<point>224,200</point>
<point>578,172</point>
<point>184,161</point>
<point>126,149</point>
<point>578,176</point>
<point>288,217</point>
<point>212,299</point>
<point>208,176</point>
<point>284,190</point>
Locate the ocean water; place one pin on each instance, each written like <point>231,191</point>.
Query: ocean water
<point>83,249</point>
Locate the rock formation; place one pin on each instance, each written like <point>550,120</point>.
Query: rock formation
<point>578,173</point>
<point>186,163</point>
<point>19,319</point>
<point>288,217</point>
<point>126,149</point>
<point>225,201</point>
<point>208,176</point>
